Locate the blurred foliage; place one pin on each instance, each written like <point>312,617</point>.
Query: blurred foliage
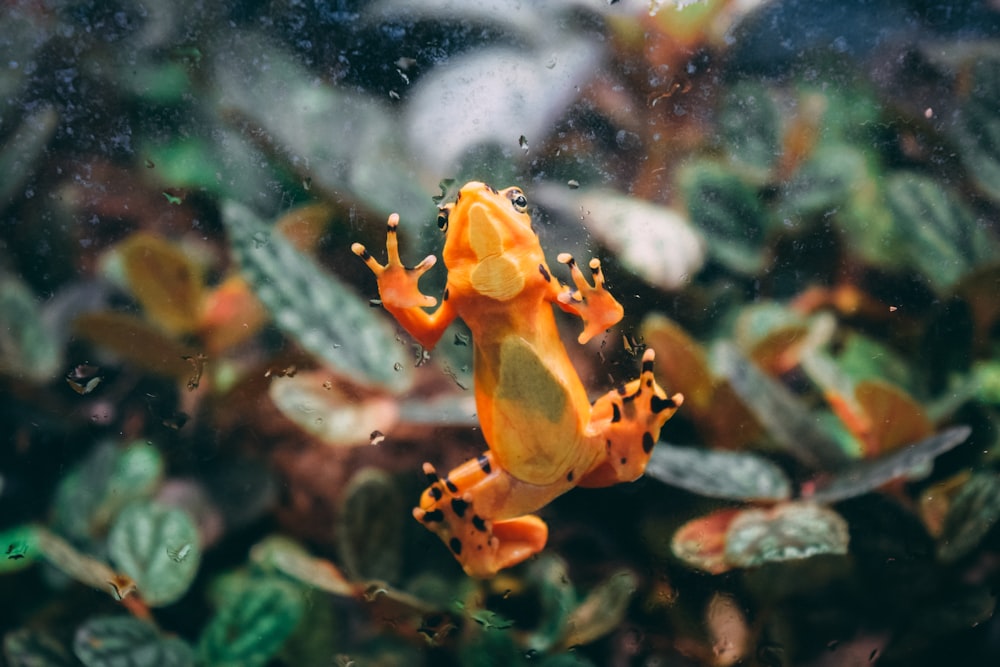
<point>212,441</point>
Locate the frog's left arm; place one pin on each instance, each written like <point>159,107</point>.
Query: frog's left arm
<point>397,285</point>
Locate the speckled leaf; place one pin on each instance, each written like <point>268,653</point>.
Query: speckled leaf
<point>751,128</point>
<point>943,238</point>
<point>325,316</point>
<point>28,349</point>
<point>974,510</point>
<point>124,641</point>
<point>861,477</point>
<point>31,648</point>
<point>159,548</point>
<point>978,127</point>
<point>785,418</point>
<point>109,478</point>
<point>727,212</point>
<point>789,531</point>
<point>164,280</point>
<point>370,526</point>
<point>256,617</point>
<point>718,474</point>
<point>601,611</point>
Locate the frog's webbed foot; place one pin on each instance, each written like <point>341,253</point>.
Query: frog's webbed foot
<point>629,420</point>
<point>481,545</point>
<point>397,284</point>
<point>594,304</point>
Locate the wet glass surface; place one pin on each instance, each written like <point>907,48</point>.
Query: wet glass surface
<point>215,433</point>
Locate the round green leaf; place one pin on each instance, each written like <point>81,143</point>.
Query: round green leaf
<point>124,641</point>
<point>751,127</point>
<point>788,532</point>
<point>158,547</point>
<point>726,210</point>
<point>256,617</point>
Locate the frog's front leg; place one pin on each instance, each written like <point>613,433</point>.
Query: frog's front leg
<point>481,512</point>
<point>591,303</point>
<point>628,422</point>
<point>397,285</point>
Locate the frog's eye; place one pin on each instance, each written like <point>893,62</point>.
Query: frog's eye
<point>443,219</point>
<point>518,199</point>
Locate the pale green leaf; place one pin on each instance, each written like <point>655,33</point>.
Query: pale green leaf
<point>158,547</point>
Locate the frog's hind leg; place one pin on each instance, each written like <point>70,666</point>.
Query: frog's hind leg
<point>629,420</point>
<point>467,508</point>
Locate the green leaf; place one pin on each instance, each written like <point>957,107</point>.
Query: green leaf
<point>790,531</point>
<point>841,180</point>
<point>256,617</point>
<point>321,313</point>
<point>860,477</point>
<point>124,641</point>
<point>186,163</point>
<point>18,548</point>
<point>974,510</point>
<point>943,239</point>
<point>726,210</point>
<point>31,648</point>
<point>29,350</point>
<point>98,487</point>
<point>751,128</point>
<point>719,474</point>
<point>978,128</point>
<point>158,547</point>
<point>864,358</point>
<point>370,526</point>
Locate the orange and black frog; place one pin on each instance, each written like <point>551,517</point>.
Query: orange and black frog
<point>544,435</point>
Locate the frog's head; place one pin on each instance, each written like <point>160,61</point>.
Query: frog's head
<point>487,230</point>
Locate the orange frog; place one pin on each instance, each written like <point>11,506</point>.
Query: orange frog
<point>544,435</point>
